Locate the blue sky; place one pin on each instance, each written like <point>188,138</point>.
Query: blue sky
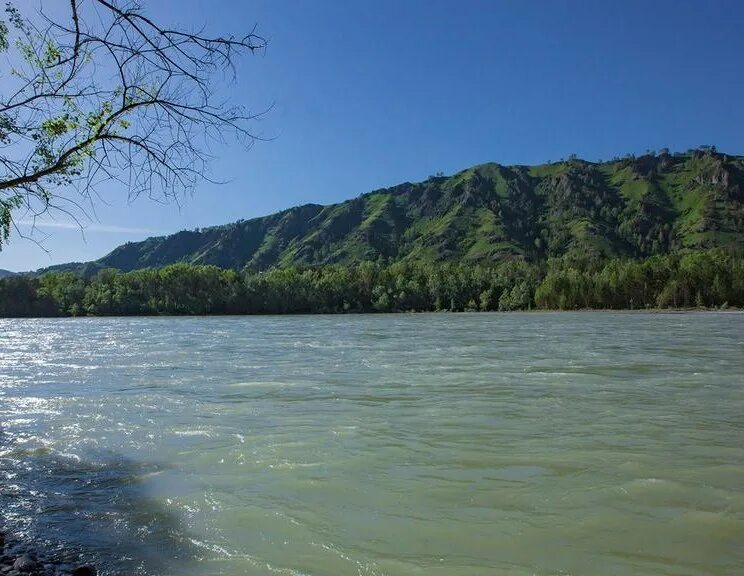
<point>370,94</point>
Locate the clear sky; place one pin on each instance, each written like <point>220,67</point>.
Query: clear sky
<point>370,94</point>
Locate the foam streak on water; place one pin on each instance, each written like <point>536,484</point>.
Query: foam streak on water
<point>468,444</point>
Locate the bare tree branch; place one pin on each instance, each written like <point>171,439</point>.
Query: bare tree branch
<point>110,95</point>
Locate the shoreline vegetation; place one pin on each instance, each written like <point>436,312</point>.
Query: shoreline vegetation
<point>703,279</point>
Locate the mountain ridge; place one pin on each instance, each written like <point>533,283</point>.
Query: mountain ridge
<point>628,207</point>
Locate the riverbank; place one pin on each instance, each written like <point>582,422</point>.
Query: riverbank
<point>701,310</point>
<point>707,279</point>
<point>19,558</point>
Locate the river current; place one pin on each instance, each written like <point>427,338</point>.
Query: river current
<point>371,445</point>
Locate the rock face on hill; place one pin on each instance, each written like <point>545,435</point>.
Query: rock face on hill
<point>634,207</point>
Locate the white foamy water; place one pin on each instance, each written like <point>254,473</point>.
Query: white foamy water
<point>468,444</point>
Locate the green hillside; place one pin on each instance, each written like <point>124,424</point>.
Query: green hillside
<point>632,207</point>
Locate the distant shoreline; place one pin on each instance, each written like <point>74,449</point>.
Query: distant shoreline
<point>728,310</point>
<point>710,279</point>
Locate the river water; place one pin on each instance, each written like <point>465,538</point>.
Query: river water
<point>431,444</point>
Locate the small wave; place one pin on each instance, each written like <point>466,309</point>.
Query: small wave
<point>344,430</point>
<point>216,548</point>
<point>150,474</point>
<point>30,439</point>
<point>258,384</point>
<point>190,433</point>
<point>18,421</point>
<point>293,465</point>
<point>284,571</point>
<point>68,365</point>
<point>69,456</point>
<point>650,485</point>
<point>609,370</point>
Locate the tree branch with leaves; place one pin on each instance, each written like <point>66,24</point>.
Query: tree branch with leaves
<point>108,94</point>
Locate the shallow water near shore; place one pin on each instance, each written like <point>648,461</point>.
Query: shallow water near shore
<point>437,444</point>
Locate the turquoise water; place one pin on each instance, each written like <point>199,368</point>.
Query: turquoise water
<point>449,444</point>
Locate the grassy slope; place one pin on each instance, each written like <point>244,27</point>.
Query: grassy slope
<point>633,207</point>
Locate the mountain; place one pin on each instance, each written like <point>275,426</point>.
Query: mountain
<point>630,207</point>
<point>6,273</point>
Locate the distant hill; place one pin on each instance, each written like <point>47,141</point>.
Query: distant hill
<point>6,273</point>
<point>632,207</point>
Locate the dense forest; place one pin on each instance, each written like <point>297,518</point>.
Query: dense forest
<point>632,207</point>
<point>656,231</point>
<point>712,278</point>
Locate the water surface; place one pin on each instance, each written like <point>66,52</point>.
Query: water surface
<point>434,444</point>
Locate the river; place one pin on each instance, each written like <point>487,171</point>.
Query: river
<point>370,445</point>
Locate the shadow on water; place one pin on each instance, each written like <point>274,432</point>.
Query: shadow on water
<point>97,512</point>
